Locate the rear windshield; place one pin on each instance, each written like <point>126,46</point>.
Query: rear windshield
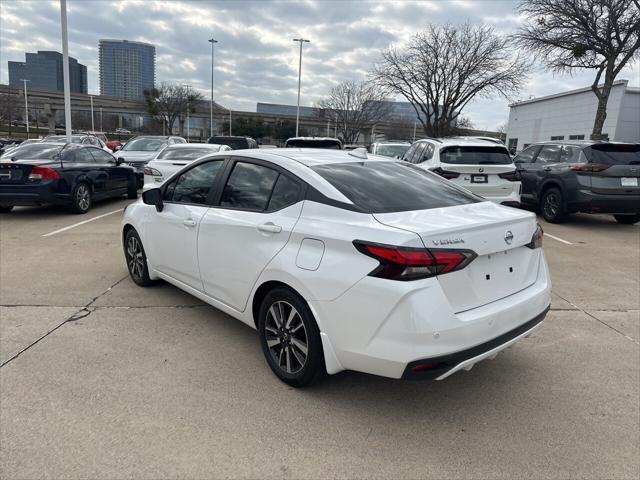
<point>612,154</point>
<point>392,150</point>
<point>333,144</point>
<point>184,153</point>
<point>384,187</point>
<point>34,151</point>
<point>234,143</point>
<point>145,144</point>
<point>475,156</point>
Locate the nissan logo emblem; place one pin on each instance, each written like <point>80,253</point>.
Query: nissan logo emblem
<point>508,237</point>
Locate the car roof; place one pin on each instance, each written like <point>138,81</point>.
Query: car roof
<point>309,157</point>
<point>581,143</point>
<point>400,144</point>
<point>463,141</point>
<point>314,139</point>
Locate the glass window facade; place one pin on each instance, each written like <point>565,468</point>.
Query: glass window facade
<point>44,72</point>
<point>127,68</point>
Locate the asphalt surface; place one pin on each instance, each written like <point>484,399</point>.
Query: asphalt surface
<point>102,379</point>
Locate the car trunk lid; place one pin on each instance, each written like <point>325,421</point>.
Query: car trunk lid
<point>17,172</point>
<point>497,234</point>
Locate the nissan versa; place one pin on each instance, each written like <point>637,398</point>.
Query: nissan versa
<point>344,262</point>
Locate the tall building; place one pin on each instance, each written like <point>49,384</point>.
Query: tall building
<point>127,68</point>
<point>44,72</point>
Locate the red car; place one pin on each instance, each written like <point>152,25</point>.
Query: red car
<point>111,144</point>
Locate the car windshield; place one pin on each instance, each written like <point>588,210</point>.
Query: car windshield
<point>384,187</point>
<point>34,151</point>
<point>614,154</point>
<point>185,153</point>
<point>234,142</point>
<point>308,143</point>
<point>144,144</point>
<point>62,139</point>
<point>475,156</point>
<point>392,150</point>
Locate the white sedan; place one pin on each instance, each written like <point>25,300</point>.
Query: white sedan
<point>344,262</point>
<point>174,157</point>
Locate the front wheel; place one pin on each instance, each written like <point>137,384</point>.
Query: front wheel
<point>81,198</point>
<point>627,219</point>
<point>290,338</point>
<point>136,259</point>
<point>552,206</point>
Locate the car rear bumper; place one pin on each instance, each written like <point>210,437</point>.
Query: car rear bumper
<point>32,195</point>
<point>589,202</point>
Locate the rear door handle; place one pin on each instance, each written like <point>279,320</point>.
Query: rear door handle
<point>270,228</point>
<point>189,222</point>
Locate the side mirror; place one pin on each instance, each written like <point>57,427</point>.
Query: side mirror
<point>119,161</point>
<point>153,196</point>
<point>118,147</point>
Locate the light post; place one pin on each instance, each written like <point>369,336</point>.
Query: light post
<point>26,105</point>
<point>187,87</point>
<point>101,120</point>
<point>213,41</point>
<point>301,41</point>
<point>65,69</point>
<point>414,131</point>
<point>93,128</point>
<point>229,122</point>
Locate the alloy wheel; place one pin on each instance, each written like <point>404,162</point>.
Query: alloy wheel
<point>286,337</point>
<point>135,258</point>
<point>551,205</point>
<point>83,197</point>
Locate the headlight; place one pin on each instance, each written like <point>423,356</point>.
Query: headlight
<point>152,171</point>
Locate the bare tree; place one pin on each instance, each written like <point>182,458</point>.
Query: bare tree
<point>444,67</point>
<point>354,105</point>
<point>9,109</point>
<point>169,101</point>
<point>603,35</point>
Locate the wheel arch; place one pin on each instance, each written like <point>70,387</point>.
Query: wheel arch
<point>546,185</point>
<point>262,292</point>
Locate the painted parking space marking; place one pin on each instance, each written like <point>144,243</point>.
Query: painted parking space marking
<point>558,239</point>
<point>64,229</point>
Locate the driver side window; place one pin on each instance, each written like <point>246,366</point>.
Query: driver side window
<point>527,155</point>
<point>194,185</point>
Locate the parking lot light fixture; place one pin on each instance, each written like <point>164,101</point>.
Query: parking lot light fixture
<point>301,41</point>
<point>65,69</point>
<point>93,129</point>
<point>213,41</point>
<point>26,105</point>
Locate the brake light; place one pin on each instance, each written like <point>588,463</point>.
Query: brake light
<point>588,167</point>
<point>446,173</point>
<point>536,240</point>
<point>404,263</point>
<point>511,176</point>
<point>39,173</point>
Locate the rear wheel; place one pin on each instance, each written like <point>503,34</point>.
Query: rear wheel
<point>627,219</point>
<point>6,208</point>
<point>552,206</point>
<point>136,259</point>
<point>132,187</point>
<point>290,338</point>
<point>81,198</point>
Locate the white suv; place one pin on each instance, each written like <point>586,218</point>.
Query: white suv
<point>480,165</point>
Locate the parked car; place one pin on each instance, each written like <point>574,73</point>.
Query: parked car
<point>235,143</point>
<point>482,166</point>
<point>82,138</point>
<point>564,177</point>
<point>69,174</point>
<point>343,262</point>
<point>389,149</point>
<point>112,145</point>
<point>138,151</point>
<point>174,157</point>
<point>123,131</point>
<point>352,146</point>
<point>313,142</point>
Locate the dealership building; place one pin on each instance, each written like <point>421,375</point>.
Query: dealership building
<point>570,116</point>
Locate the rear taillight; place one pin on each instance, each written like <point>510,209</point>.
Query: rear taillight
<point>536,240</point>
<point>446,173</point>
<point>404,263</point>
<point>511,176</point>
<point>39,173</point>
<point>588,167</point>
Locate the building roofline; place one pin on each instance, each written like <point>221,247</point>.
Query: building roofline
<point>570,92</point>
<point>126,41</point>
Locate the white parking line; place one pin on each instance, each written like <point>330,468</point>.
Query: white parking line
<point>557,238</point>
<point>81,223</point>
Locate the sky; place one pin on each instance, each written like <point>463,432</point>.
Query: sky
<point>256,59</point>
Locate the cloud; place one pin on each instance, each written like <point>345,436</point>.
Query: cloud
<point>256,59</point>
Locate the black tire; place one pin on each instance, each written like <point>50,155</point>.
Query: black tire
<point>136,259</point>
<point>81,198</point>
<point>6,208</point>
<point>287,358</point>
<point>552,206</point>
<point>627,219</point>
<point>132,188</point>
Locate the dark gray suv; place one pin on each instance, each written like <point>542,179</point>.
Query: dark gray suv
<point>581,176</point>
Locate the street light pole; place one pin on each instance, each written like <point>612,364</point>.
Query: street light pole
<point>301,41</point>
<point>101,120</point>
<point>213,41</point>
<point>93,129</point>
<point>26,105</point>
<point>187,86</point>
<point>65,69</point>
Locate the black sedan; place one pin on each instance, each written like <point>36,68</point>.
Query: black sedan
<point>69,174</point>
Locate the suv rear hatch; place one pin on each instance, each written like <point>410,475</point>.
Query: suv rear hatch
<point>614,168</point>
<point>499,235</point>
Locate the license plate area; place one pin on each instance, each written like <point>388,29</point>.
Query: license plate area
<point>629,181</point>
<point>475,178</point>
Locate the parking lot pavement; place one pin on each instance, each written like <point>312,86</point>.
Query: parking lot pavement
<point>151,383</point>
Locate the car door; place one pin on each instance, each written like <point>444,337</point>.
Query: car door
<point>526,167</point>
<point>251,222</point>
<point>544,166</point>
<point>174,230</point>
<point>87,166</point>
<point>117,176</point>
